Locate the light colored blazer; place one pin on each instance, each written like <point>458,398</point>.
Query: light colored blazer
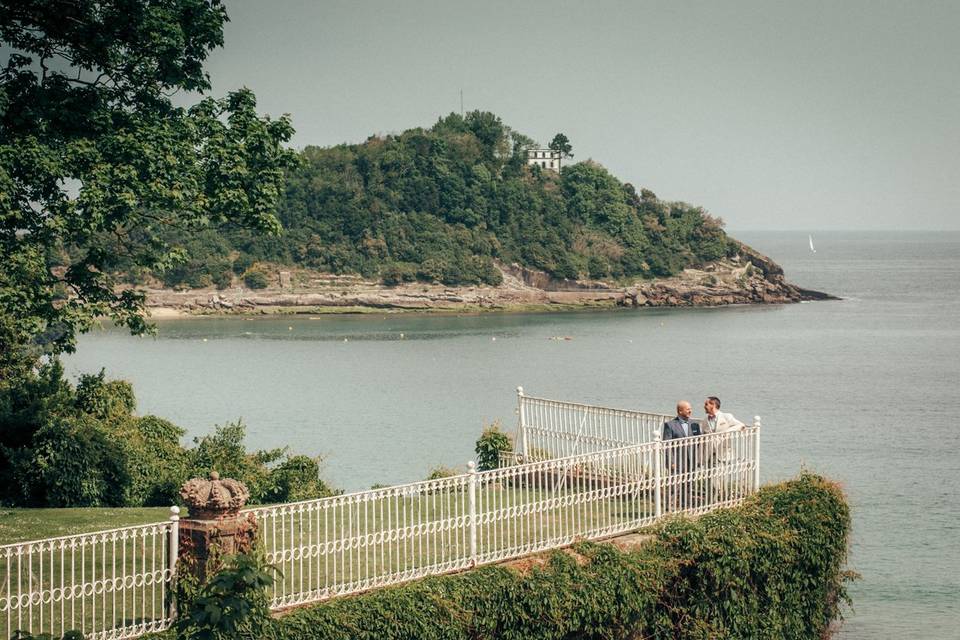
<point>726,423</point>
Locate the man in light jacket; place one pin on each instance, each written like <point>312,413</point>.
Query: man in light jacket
<point>723,449</point>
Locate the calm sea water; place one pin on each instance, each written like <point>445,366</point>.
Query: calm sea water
<point>858,389</point>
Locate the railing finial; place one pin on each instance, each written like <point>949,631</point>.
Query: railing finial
<point>519,391</point>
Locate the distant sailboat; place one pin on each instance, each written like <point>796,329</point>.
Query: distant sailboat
<point>812,250</point>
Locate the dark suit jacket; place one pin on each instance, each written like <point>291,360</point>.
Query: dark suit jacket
<point>683,459</point>
<point>672,429</point>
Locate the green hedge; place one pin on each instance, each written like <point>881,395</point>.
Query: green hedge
<point>769,569</point>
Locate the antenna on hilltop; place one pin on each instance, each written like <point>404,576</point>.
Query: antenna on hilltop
<point>461,103</point>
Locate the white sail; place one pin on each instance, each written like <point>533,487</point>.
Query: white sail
<point>811,244</point>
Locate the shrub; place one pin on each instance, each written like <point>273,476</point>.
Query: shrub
<point>231,604</point>
<point>394,273</point>
<point>159,464</point>
<point>223,279</point>
<point>223,451</point>
<point>75,462</point>
<point>296,478</point>
<point>271,475</point>
<point>598,267</point>
<point>255,279</point>
<point>441,471</point>
<point>135,276</point>
<point>104,399</point>
<point>242,263</point>
<point>491,442</point>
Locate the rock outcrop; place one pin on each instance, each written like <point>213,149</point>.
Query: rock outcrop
<point>747,278</point>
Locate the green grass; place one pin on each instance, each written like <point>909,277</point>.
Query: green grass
<point>329,566</point>
<point>19,525</point>
<point>111,561</point>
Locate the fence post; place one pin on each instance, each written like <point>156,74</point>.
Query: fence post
<point>523,425</point>
<point>657,475</point>
<point>472,505</point>
<point>214,527</point>
<point>756,453</point>
<point>173,549</point>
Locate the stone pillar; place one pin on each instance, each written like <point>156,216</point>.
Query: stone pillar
<point>214,527</point>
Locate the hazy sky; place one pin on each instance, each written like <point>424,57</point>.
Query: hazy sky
<point>773,115</point>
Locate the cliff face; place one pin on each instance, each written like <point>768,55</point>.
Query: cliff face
<point>747,278</point>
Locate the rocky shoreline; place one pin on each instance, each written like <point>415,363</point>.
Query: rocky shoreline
<point>747,278</point>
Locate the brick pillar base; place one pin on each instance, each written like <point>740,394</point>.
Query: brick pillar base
<point>203,543</point>
<point>215,527</point>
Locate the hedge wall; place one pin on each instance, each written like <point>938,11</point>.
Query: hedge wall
<point>772,568</point>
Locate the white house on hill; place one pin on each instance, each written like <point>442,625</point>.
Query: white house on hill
<point>544,158</point>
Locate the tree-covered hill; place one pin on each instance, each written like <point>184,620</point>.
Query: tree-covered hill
<point>441,204</point>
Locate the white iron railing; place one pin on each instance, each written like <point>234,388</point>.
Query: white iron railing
<point>359,541</point>
<point>109,584</point>
<point>556,429</point>
<point>584,473</point>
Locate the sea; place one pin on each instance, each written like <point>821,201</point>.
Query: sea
<point>859,389</point>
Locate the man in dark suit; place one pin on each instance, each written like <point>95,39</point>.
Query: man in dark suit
<point>681,426</point>
<point>680,460</point>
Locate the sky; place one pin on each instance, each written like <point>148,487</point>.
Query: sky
<point>771,115</point>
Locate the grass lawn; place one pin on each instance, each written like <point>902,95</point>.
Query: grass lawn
<point>18,525</point>
<point>92,584</point>
<point>352,546</point>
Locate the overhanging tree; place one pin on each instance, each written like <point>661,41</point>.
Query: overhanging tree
<point>562,144</point>
<point>96,161</point>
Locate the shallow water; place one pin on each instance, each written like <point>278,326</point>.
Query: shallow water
<point>856,389</point>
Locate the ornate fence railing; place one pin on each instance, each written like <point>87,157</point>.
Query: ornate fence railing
<point>358,541</point>
<point>615,475</point>
<point>555,428</point>
<point>108,584</point>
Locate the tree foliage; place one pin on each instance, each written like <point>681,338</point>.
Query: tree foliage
<point>66,446</point>
<point>97,163</point>
<point>445,204</point>
<point>562,144</point>
<point>490,444</point>
<point>442,204</point>
<point>231,604</point>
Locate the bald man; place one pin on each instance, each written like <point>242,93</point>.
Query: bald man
<point>681,426</point>
<point>680,460</point>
